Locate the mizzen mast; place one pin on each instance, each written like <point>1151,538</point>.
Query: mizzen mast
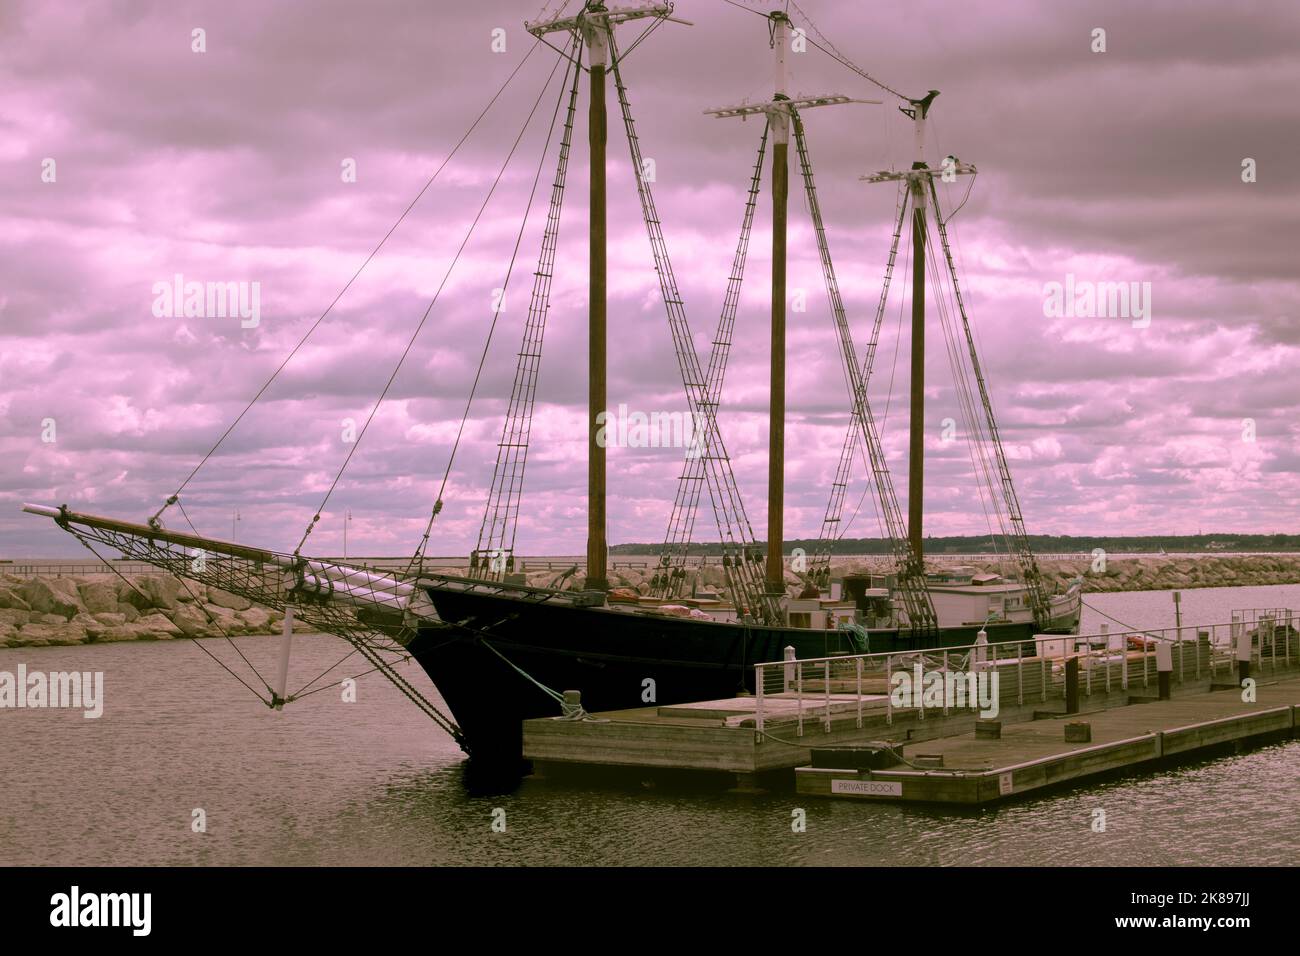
<point>918,111</point>
<point>985,438</point>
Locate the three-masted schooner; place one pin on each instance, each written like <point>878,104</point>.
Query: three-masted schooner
<point>500,651</point>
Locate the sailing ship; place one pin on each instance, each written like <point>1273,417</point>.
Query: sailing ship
<point>500,651</point>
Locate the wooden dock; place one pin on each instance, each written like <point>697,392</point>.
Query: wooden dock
<point>965,769</point>
<point>820,722</point>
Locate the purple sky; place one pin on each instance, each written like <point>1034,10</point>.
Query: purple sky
<point>224,166</point>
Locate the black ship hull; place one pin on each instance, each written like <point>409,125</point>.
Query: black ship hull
<point>491,648</point>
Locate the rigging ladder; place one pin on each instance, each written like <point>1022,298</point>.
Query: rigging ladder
<point>493,556</point>
<point>741,560</point>
<point>670,575</point>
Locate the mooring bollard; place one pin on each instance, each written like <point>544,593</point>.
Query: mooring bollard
<point>572,703</point>
<point>1164,668</point>
<point>1072,685</point>
<point>1078,733</point>
<point>789,668</point>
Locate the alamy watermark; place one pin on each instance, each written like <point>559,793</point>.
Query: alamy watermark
<point>954,690</point>
<point>1092,300</point>
<point>633,429</point>
<point>82,690</point>
<point>208,300</point>
<point>75,908</point>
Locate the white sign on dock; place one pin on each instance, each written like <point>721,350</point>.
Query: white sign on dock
<point>1004,784</point>
<point>875,788</point>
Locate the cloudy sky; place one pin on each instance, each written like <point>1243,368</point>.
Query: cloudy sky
<point>128,158</point>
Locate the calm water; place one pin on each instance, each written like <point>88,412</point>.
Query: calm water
<point>374,782</point>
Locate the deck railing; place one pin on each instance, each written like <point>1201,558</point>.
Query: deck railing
<point>821,689</point>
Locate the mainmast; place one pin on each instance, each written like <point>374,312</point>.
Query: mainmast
<point>779,124</point>
<point>779,111</point>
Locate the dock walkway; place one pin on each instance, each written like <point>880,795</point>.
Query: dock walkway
<point>966,769</point>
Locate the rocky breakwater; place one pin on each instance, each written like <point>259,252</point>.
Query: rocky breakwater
<point>44,610</point>
<point>1175,572</point>
<point>1121,573</point>
<point>1116,573</point>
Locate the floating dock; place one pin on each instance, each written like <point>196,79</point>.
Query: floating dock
<point>966,769</point>
<point>1127,698</point>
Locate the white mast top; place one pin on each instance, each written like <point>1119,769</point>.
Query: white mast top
<point>920,172</point>
<point>596,21</point>
<point>779,107</point>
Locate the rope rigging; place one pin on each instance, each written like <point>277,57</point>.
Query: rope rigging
<point>1030,574</point>
<point>410,344</point>
<point>909,568</point>
<point>976,443</point>
<point>669,578</point>
<point>376,613</point>
<point>820,567</point>
<point>493,556</point>
<point>742,561</point>
<point>889,401</point>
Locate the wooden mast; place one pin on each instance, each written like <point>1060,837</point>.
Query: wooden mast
<point>916,421</point>
<point>596,23</point>
<point>779,121</point>
<point>595,31</point>
<point>778,111</point>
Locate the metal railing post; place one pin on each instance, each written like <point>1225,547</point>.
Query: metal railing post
<point>1123,661</point>
<point>799,696</point>
<point>826,684</point>
<point>1042,669</point>
<point>859,663</point>
<point>918,695</point>
<point>1105,632</point>
<point>758,699</point>
<point>889,696</point>
<point>1020,674</point>
<point>945,682</point>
